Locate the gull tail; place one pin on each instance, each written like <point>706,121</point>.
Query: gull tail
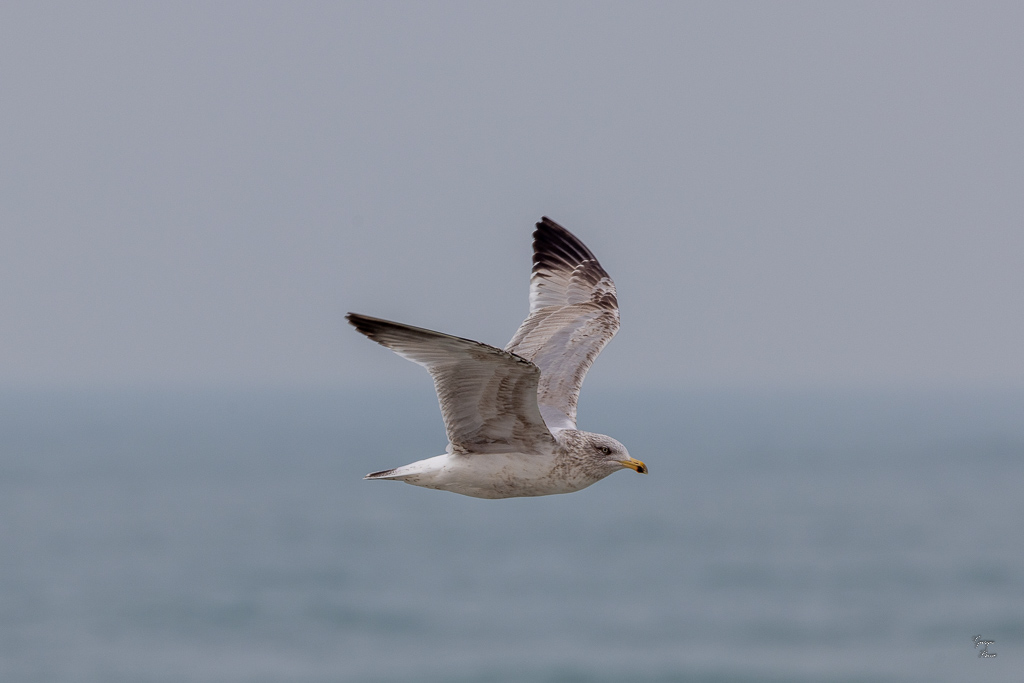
<point>385,474</point>
<point>414,473</point>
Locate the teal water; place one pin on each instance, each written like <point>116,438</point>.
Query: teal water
<point>195,538</point>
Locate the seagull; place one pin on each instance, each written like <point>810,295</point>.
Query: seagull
<point>510,414</point>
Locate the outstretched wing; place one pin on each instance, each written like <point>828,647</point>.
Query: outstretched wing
<point>573,314</point>
<point>488,396</point>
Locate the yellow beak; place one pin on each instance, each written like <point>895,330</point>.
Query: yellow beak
<point>634,464</point>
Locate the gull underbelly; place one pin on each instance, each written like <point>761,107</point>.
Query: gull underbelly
<point>499,475</point>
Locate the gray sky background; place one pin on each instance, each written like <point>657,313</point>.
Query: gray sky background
<point>787,195</point>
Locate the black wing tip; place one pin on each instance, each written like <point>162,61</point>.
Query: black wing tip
<point>358,319</point>
<point>547,222</point>
<point>553,245</point>
<point>369,326</point>
<point>387,332</point>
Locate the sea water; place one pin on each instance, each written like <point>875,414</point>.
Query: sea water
<point>225,537</point>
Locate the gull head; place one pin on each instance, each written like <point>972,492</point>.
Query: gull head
<point>610,454</point>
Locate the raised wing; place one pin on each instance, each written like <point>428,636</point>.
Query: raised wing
<point>573,314</point>
<point>488,396</point>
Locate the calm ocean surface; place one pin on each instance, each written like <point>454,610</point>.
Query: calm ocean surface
<point>200,538</point>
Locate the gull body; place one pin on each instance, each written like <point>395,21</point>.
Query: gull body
<point>506,475</point>
<point>510,414</point>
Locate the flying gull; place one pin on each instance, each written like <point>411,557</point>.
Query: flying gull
<point>511,414</point>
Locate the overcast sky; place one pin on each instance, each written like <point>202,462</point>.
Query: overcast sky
<point>786,194</point>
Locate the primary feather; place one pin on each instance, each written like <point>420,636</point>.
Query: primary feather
<point>488,397</point>
<point>573,314</point>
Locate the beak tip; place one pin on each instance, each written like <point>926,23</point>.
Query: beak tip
<point>635,465</point>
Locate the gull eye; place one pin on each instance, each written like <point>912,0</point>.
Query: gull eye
<point>606,450</point>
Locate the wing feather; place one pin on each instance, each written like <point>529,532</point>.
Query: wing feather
<point>488,397</point>
<point>574,312</point>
